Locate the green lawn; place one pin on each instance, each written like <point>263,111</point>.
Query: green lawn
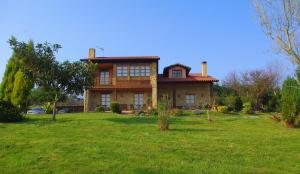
<point>110,143</point>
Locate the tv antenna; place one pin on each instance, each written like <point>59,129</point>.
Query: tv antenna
<point>101,49</point>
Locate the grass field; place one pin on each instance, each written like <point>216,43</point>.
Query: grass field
<point>110,143</point>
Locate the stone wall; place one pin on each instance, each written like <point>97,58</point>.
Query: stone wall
<point>202,92</point>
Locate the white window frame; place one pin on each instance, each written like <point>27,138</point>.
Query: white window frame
<point>175,73</point>
<point>122,70</point>
<point>190,99</point>
<point>138,100</point>
<point>105,100</point>
<point>104,77</point>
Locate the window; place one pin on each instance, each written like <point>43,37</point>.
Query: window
<point>122,70</point>
<point>176,73</point>
<point>104,77</point>
<point>190,99</point>
<point>139,70</point>
<point>138,101</point>
<point>145,70</point>
<point>105,101</point>
<point>134,70</point>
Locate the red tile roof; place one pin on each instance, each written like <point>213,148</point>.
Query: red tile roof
<point>122,58</point>
<point>192,77</point>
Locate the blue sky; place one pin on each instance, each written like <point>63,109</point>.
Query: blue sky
<point>224,33</point>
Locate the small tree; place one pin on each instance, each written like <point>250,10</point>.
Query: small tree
<point>164,112</point>
<point>290,101</point>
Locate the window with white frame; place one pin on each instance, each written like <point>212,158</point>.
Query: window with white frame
<point>134,70</point>
<point>104,77</point>
<point>145,70</point>
<point>190,99</point>
<point>138,100</point>
<point>176,73</point>
<point>122,70</point>
<point>105,100</point>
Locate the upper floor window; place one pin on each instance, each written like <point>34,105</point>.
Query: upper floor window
<point>104,77</point>
<point>145,70</point>
<point>176,73</point>
<point>122,70</point>
<point>139,70</point>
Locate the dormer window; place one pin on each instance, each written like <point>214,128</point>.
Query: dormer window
<point>176,73</point>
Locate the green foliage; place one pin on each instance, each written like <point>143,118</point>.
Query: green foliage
<point>115,107</point>
<point>179,112</point>
<point>197,112</point>
<point>235,102</point>
<point>223,109</point>
<point>153,112</point>
<point>99,109</point>
<point>9,113</point>
<point>139,113</point>
<point>48,108</point>
<point>290,99</point>
<point>164,106</point>
<point>248,108</point>
<point>21,90</point>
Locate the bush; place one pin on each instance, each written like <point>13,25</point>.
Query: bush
<point>290,101</point>
<point>139,113</point>
<point>115,107</point>
<point>179,112</point>
<point>153,112</point>
<point>235,103</point>
<point>48,108</point>
<point>164,113</point>
<point>248,108</point>
<point>223,109</point>
<point>9,113</point>
<point>99,109</point>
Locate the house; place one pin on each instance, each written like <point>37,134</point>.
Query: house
<point>134,82</point>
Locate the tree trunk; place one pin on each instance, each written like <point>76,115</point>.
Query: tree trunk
<point>54,108</point>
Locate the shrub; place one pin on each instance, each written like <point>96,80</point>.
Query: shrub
<point>9,113</point>
<point>290,101</point>
<point>48,108</point>
<point>139,113</point>
<point>164,113</point>
<point>99,109</point>
<point>179,112</point>
<point>115,107</point>
<point>235,103</point>
<point>153,112</point>
<point>223,109</point>
<point>248,108</point>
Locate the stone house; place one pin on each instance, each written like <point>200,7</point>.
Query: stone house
<point>134,82</point>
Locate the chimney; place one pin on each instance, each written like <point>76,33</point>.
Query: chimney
<point>204,69</point>
<point>92,53</point>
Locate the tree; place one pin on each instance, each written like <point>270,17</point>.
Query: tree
<point>21,90</point>
<point>281,22</point>
<point>46,72</point>
<point>15,86</point>
<point>290,101</point>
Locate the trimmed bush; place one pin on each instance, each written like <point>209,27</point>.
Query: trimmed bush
<point>235,103</point>
<point>48,108</point>
<point>99,109</point>
<point>248,108</point>
<point>9,113</point>
<point>223,109</point>
<point>115,107</point>
<point>139,113</point>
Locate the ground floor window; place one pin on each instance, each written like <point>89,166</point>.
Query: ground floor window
<point>138,100</point>
<point>190,99</point>
<point>105,101</point>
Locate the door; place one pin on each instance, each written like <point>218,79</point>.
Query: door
<point>105,101</point>
<point>138,101</point>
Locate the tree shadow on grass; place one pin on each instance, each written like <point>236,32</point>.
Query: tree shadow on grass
<point>190,130</point>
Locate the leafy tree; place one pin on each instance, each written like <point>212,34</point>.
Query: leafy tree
<point>57,78</point>
<point>21,90</point>
<point>15,85</point>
